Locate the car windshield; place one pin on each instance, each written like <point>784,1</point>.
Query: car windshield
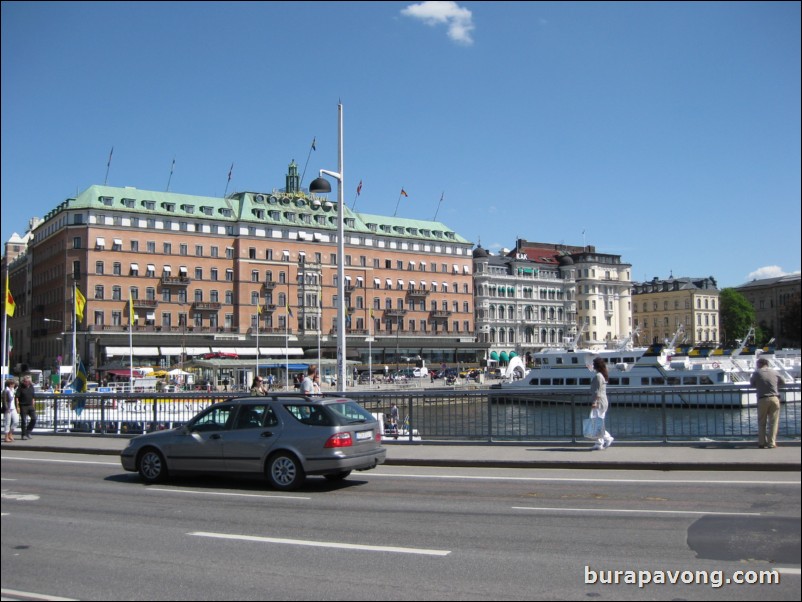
<point>350,412</point>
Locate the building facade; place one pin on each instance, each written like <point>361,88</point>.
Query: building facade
<point>772,298</point>
<point>546,295</point>
<point>661,307</point>
<point>192,274</point>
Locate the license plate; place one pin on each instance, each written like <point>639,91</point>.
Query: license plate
<point>362,435</point>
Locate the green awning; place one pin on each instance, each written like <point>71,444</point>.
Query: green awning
<point>494,355</point>
<point>503,358</point>
<point>513,354</point>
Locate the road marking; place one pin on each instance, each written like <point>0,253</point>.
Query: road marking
<point>594,479</point>
<point>323,544</point>
<point>260,495</point>
<point>21,497</point>
<point>596,510</point>
<point>13,593</point>
<point>53,460</point>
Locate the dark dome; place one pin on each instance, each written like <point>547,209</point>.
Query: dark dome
<point>566,260</point>
<point>479,252</point>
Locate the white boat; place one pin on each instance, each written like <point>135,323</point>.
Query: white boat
<point>648,377</point>
<point>392,432</point>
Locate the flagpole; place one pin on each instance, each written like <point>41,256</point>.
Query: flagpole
<point>303,173</point>
<point>258,315</point>
<point>399,202</point>
<point>6,367</point>
<point>131,343</point>
<point>229,180</point>
<point>108,165</point>
<point>438,206</point>
<point>171,175</point>
<point>74,331</point>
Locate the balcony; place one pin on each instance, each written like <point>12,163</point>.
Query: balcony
<point>175,281</point>
<point>395,313</point>
<point>417,294</point>
<point>146,303</point>
<point>440,314</point>
<point>206,306</point>
<point>269,285</point>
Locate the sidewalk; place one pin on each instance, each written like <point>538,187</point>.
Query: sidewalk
<point>698,455</point>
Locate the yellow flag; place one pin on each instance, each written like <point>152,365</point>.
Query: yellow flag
<point>10,303</point>
<point>80,303</point>
<point>130,308</point>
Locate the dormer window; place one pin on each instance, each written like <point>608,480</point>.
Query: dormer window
<point>149,205</point>
<point>169,207</point>
<point>225,212</point>
<point>130,203</point>
<point>207,210</point>
<point>188,208</point>
<point>258,213</point>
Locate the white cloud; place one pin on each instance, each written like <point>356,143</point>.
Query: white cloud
<point>769,271</point>
<point>459,20</point>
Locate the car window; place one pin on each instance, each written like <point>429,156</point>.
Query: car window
<point>351,412</point>
<point>255,417</point>
<point>306,414</point>
<point>215,419</point>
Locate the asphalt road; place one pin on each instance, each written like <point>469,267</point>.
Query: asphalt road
<point>77,526</point>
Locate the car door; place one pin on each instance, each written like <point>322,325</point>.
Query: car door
<point>254,433</point>
<point>198,447</point>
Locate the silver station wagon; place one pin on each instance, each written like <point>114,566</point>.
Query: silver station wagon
<point>284,437</point>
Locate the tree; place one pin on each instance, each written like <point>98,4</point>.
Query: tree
<point>736,315</point>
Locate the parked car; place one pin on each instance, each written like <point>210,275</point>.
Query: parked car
<point>283,437</point>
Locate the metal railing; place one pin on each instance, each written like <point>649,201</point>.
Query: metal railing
<point>460,415</point>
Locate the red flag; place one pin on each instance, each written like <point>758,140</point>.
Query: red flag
<point>404,192</point>
<point>229,172</point>
<point>359,188</point>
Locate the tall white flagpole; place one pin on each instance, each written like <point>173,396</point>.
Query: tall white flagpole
<point>74,331</point>
<point>6,359</point>
<point>131,342</point>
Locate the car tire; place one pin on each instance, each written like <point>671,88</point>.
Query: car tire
<point>284,472</point>
<point>338,476</point>
<point>152,467</point>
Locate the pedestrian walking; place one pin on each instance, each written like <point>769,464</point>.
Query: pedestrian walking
<point>598,394</point>
<point>10,410</point>
<point>767,382</point>
<point>27,409</point>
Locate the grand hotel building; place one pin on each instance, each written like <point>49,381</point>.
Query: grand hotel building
<point>204,274</point>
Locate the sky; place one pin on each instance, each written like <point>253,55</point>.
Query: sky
<point>666,133</point>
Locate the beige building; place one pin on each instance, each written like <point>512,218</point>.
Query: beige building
<point>661,307</point>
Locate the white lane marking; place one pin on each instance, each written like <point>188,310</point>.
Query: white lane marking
<point>280,497</point>
<point>787,570</point>
<point>594,479</point>
<point>323,544</point>
<point>53,460</point>
<point>596,510</point>
<point>21,497</point>
<point>29,595</point>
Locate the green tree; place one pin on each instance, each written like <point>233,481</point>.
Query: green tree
<point>736,315</point>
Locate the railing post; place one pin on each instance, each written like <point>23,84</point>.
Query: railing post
<point>665,417</point>
<point>489,420</point>
<point>411,418</point>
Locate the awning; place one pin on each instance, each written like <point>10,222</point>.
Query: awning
<point>170,350</point>
<point>135,267</point>
<point>377,281</point>
<point>118,242</point>
<point>151,267</point>
<point>182,269</point>
<point>100,242</point>
<point>513,354</point>
<point>494,355</point>
<point>168,269</point>
<point>151,316</point>
<point>503,357</point>
<point>281,351</point>
<point>139,351</point>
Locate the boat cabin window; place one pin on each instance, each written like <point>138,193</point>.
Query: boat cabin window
<point>658,380</point>
<point>644,380</point>
<point>574,360</point>
<point>629,360</point>
<point>545,381</point>
<point>584,381</point>
<point>673,380</point>
<point>559,360</point>
<point>570,381</point>
<point>613,381</point>
<point>705,380</point>
<point>689,380</point>
<point>533,381</point>
<point>558,381</point>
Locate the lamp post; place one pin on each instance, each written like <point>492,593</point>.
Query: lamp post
<point>54,321</point>
<point>320,184</point>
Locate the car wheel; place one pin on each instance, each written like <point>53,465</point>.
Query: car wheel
<point>338,476</point>
<point>285,472</point>
<point>152,467</point>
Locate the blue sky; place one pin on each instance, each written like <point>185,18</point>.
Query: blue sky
<point>667,133</point>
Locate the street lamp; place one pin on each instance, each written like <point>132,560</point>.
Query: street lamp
<point>321,185</point>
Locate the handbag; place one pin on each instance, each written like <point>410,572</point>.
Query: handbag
<point>593,428</point>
